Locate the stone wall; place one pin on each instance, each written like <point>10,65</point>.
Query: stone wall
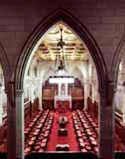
<point>103,19</point>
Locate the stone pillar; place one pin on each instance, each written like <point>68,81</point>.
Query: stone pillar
<point>93,91</point>
<point>31,91</point>
<point>123,104</point>
<point>1,104</point>
<point>11,117</point>
<point>40,96</point>
<point>19,124</point>
<point>106,121</point>
<point>66,89</point>
<point>59,89</point>
<point>86,93</point>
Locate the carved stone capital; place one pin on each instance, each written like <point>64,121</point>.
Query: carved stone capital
<point>19,92</point>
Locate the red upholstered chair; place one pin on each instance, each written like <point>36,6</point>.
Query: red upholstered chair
<point>27,150</point>
<point>95,149</point>
<point>75,122</point>
<point>33,138</point>
<point>43,129</point>
<point>40,150</point>
<point>38,143</point>
<point>83,121</point>
<point>85,137</point>
<point>80,140</point>
<point>89,148</point>
<point>43,145</point>
<point>89,133</point>
<point>36,148</point>
<point>31,124</point>
<point>94,143</point>
<point>82,145</point>
<point>92,138</point>
<point>40,138</point>
<point>62,147</point>
<point>26,130</point>
<point>48,127</point>
<point>41,121</point>
<point>76,127</point>
<point>39,126</point>
<point>30,136</point>
<point>31,143</point>
<point>90,119</point>
<point>34,120</point>
<point>82,130</point>
<point>83,150</point>
<point>87,143</point>
<point>44,140</point>
<point>36,132</point>
<point>79,135</point>
<point>46,134</point>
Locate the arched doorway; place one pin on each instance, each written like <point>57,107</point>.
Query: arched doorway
<point>25,60</point>
<point>3,113</point>
<point>119,109</point>
<point>118,77</point>
<point>4,108</point>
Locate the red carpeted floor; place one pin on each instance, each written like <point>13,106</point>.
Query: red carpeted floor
<point>69,139</point>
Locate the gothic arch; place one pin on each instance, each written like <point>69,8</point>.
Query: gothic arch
<point>117,59</point>
<point>81,31</point>
<point>5,64</point>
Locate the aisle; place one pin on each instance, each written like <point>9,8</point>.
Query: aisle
<point>69,139</point>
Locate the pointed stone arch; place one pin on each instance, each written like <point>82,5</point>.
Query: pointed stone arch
<point>117,59</point>
<point>25,54</point>
<point>81,31</point>
<point>5,64</point>
<point>118,56</point>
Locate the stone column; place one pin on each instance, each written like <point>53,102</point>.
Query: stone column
<point>66,89</point>
<point>93,91</point>
<point>40,96</point>
<point>1,104</point>
<point>59,89</point>
<point>31,91</point>
<point>123,104</point>
<point>19,124</point>
<point>86,93</point>
<point>11,117</point>
<point>106,121</point>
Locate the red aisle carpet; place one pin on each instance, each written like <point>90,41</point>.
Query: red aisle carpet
<point>69,139</point>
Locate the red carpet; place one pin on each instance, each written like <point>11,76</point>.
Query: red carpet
<point>69,139</point>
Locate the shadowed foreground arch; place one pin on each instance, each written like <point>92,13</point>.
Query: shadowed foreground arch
<point>116,78</point>
<point>74,24</point>
<point>117,59</point>
<point>86,37</point>
<point>4,62</point>
<point>5,65</point>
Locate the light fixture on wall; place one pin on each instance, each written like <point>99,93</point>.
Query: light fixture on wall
<point>61,71</point>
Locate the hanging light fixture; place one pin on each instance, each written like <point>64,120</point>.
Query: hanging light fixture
<point>61,72</point>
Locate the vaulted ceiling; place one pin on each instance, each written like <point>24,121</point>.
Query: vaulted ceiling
<point>73,48</point>
<point>48,51</point>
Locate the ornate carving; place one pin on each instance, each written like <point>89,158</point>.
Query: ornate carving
<point>19,92</point>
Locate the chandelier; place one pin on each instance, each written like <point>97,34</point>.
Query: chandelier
<point>61,71</point>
